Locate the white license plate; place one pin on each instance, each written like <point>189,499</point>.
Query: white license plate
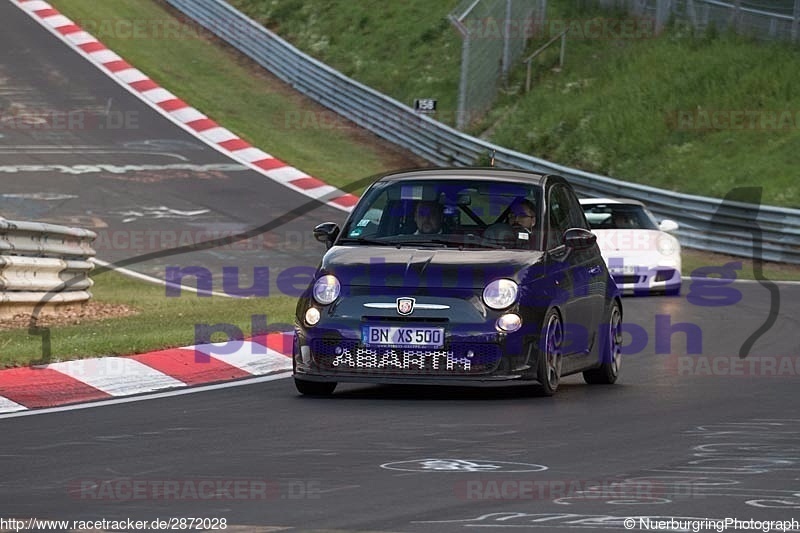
<point>625,269</point>
<point>402,337</point>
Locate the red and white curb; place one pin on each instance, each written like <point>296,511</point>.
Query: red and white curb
<point>185,116</point>
<point>88,380</point>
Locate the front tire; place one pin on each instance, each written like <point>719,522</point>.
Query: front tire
<point>610,350</point>
<point>550,356</point>
<point>314,388</point>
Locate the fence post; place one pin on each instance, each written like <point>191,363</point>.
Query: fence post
<point>464,78</point>
<point>663,9</point>
<point>463,83</point>
<point>506,44</point>
<point>692,14</point>
<point>736,16</point>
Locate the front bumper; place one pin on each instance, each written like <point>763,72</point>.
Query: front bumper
<point>646,280</point>
<point>473,358</point>
<point>449,381</point>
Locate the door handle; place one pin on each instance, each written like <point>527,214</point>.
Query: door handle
<point>595,270</point>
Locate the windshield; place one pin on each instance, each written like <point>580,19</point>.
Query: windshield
<point>619,216</point>
<point>447,213</point>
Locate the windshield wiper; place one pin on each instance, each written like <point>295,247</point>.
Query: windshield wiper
<point>400,243</point>
<point>423,242</point>
<point>351,240</point>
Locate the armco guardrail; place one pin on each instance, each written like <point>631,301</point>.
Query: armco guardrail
<point>43,266</point>
<point>732,230</point>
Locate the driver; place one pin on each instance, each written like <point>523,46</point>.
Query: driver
<point>428,217</point>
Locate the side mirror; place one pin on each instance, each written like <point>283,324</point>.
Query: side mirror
<point>579,238</point>
<point>668,225</point>
<point>326,233</point>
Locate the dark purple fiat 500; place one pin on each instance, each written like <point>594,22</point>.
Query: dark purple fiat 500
<point>459,277</point>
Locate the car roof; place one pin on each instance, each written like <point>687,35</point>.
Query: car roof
<point>470,173</point>
<point>600,201</point>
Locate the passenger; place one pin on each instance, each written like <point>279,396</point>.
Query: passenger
<point>522,215</point>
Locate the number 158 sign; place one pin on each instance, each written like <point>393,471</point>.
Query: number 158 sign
<point>425,105</point>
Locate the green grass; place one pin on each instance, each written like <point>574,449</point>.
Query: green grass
<point>615,110</point>
<point>406,49</point>
<point>694,259</point>
<point>163,322</point>
<point>228,89</point>
<point>610,110</point>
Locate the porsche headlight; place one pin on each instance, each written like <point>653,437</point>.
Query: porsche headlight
<point>500,293</point>
<point>668,245</point>
<point>326,289</point>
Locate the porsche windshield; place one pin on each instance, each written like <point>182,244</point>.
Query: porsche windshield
<point>619,216</point>
<point>447,213</point>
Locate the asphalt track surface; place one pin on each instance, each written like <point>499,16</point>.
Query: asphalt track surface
<point>690,430</point>
<point>72,139</point>
<point>673,438</point>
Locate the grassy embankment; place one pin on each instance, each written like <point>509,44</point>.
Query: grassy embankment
<point>639,108</point>
<point>228,90</point>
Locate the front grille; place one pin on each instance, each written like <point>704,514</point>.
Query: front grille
<point>402,319</point>
<point>627,279</point>
<point>455,359</point>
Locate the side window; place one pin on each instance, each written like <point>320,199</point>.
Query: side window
<point>559,218</point>
<point>577,217</point>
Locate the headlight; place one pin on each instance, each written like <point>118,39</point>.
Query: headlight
<point>326,289</point>
<point>668,245</point>
<point>500,293</point>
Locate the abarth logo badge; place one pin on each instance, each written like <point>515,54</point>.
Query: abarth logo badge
<point>405,306</point>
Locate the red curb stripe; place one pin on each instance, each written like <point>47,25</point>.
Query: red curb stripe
<point>116,66</point>
<point>269,164</point>
<point>308,183</point>
<point>280,342</point>
<point>173,104</point>
<point>95,46</point>
<point>43,387</point>
<point>70,28</point>
<point>144,85</point>
<point>235,144</point>
<point>348,200</point>
<point>46,12</point>
<point>202,124</point>
<point>184,366</point>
